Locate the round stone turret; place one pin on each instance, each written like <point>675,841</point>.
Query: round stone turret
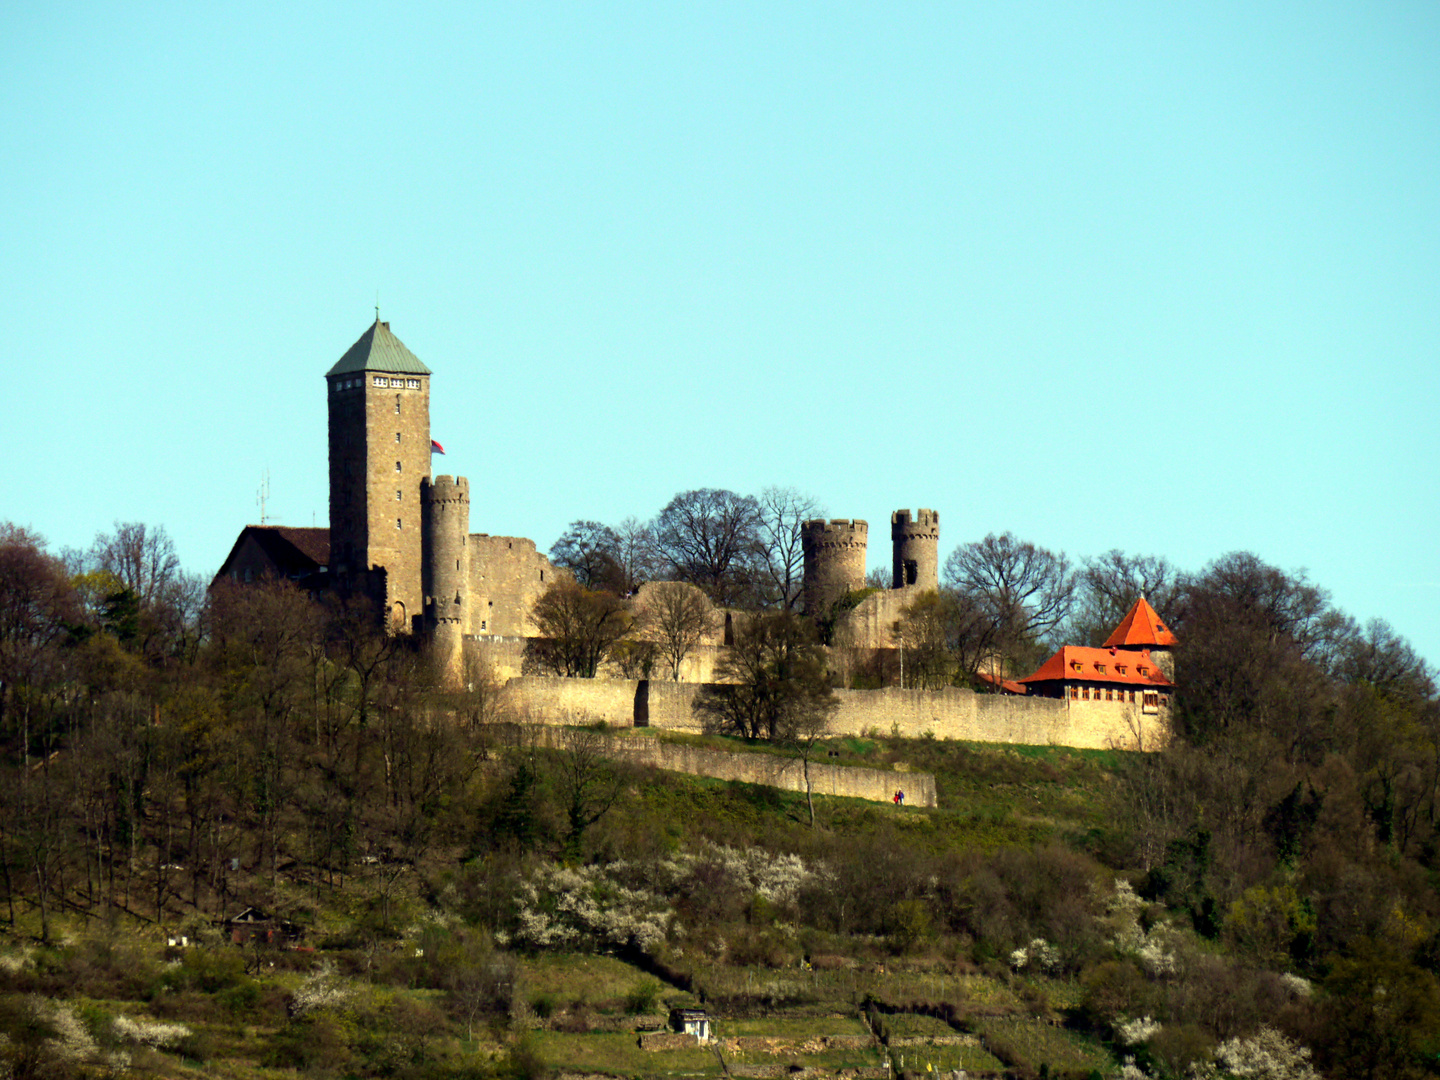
<point>915,540</point>
<point>834,561</point>
<point>445,519</point>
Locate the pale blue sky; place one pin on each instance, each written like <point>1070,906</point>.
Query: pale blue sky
<point>1160,277</point>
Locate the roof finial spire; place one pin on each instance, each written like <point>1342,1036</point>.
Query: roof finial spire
<point>377,305</point>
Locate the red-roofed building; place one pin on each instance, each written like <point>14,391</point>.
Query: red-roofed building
<point>1142,630</point>
<point>1119,676</point>
<point>1132,675</point>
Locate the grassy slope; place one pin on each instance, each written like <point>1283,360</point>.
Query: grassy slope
<point>991,797</point>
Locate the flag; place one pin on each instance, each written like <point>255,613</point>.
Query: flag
<point>436,448</point>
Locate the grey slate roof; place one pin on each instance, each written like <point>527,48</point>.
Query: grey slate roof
<point>379,350</point>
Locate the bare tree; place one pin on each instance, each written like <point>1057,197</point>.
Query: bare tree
<point>676,617</point>
<point>783,510</point>
<point>639,560</point>
<point>1109,585</point>
<point>1027,590</point>
<point>591,551</point>
<point>944,634</point>
<point>581,626</point>
<point>710,538</point>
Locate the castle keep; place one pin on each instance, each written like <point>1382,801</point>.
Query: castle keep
<point>397,535</point>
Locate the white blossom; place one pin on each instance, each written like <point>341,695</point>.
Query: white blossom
<point>1296,985</point>
<point>1153,948</point>
<point>72,1041</point>
<point>578,907</point>
<point>1266,1055</point>
<point>149,1032</point>
<point>323,989</point>
<point>1135,1032</point>
<point>1039,952</point>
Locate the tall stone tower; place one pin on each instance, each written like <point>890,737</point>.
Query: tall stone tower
<point>916,544</point>
<point>445,573</point>
<point>834,554</point>
<point>379,452</point>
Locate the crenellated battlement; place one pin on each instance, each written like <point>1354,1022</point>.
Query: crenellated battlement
<point>922,522</point>
<point>834,554</point>
<point>837,532</point>
<point>443,489</point>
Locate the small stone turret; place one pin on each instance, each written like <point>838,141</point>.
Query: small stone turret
<point>834,561</point>
<point>916,543</point>
<point>445,521</point>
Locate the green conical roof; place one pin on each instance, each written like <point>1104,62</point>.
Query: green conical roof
<point>379,350</point>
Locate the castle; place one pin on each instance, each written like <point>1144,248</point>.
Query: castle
<point>401,538</point>
<point>398,536</point>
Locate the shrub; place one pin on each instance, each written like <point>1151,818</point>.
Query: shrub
<point>642,997</point>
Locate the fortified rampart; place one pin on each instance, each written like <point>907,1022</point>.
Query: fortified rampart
<point>774,770</point>
<point>951,713</point>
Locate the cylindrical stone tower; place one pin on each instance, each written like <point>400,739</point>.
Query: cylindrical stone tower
<point>445,521</point>
<point>834,561</point>
<point>916,543</point>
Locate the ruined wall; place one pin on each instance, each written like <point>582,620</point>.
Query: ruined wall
<point>507,576</point>
<point>871,623</point>
<point>773,770</point>
<point>503,656</point>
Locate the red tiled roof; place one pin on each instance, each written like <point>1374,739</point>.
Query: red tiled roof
<point>1079,663</point>
<point>1141,626</point>
<point>1010,686</point>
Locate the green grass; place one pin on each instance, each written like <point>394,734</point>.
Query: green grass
<point>792,1028</point>
<point>916,1026</point>
<point>620,1055</point>
<point>570,977</point>
<point>947,1059</point>
<point>1033,1043</point>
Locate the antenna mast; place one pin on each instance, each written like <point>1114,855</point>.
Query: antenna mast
<point>262,496</point>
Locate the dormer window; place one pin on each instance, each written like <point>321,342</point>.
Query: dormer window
<point>1143,670</point>
<point>1100,668</point>
<point>1120,669</point>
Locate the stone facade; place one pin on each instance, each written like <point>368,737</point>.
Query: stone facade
<point>379,454</point>
<point>772,770</point>
<point>402,537</point>
<point>951,713</point>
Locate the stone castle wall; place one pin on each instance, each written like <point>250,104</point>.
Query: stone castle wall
<point>952,713</point>
<point>773,770</point>
<point>507,576</point>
